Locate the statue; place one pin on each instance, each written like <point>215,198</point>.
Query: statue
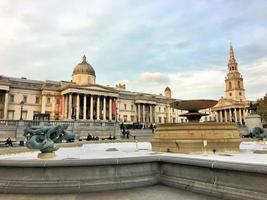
<point>44,137</point>
<point>252,108</point>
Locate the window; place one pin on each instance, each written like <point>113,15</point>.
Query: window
<point>159,109</point>
<point>25,99</point>
<point>230,94</point>
<point>132,107</point>
<point>132,118</point>
<point>125,106</point>
<point>165,119</point>
<point>240,94</point>
<point>230,85</point>
<point>125,118</point>
<point>37,100</point>
<point>10,114</point>
<point>11,98</point>
<point>159,119</point>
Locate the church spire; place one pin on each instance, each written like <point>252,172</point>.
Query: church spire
<point>232,65</point>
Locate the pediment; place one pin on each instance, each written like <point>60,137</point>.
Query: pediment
<point>227,103</point>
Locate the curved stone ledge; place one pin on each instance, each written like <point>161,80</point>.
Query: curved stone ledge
<point>215,164</point>
<point>219,178</point>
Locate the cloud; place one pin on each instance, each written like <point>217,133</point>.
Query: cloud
<point>181,44</point>
<point>156,77</point>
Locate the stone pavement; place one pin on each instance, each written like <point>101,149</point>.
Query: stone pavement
<point>157,192</point>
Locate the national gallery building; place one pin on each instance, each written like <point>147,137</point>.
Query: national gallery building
<point>83,99</point>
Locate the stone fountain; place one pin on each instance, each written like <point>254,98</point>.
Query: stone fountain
<point>196,137</point>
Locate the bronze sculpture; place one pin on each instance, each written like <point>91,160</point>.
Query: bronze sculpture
<point>44,137</point>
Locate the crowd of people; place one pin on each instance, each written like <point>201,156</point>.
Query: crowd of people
<point>91,137</point>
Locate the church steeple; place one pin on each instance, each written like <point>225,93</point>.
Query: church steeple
<point>234,86</point>
<point>232,65</point>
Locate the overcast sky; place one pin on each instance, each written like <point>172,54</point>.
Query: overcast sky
<point>145,44</point>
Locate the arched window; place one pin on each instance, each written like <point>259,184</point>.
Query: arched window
<point>238,83</point>
<point>230,85</point>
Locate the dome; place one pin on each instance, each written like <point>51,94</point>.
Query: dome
<point>84,68</point>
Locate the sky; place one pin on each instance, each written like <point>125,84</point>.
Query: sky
<point>145,44</point>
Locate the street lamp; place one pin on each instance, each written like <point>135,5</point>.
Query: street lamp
<point>21,108</point>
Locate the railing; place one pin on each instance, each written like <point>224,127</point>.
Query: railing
<point>55,122</point>
<point>9,122</point>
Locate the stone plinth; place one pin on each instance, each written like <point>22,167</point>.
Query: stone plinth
<point>196,138</point>
<point>252,121</point>
<point>46,156</point>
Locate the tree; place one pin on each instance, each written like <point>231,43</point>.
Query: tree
<point>262,108</point>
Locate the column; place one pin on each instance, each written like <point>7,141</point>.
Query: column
<point>221,117</point>
<point>230,113</point>
<point>84,107</point>
<point>110,108</point>
<point>91,107</point>
<point>139,112</point>
<point>151,115</point>
<point>240,115</point>
<point>168,114</point>
<point>77,106</point>
<point>70,106</point>
<point>53,106</point>
<point>217,116</point>
<point>225,115</point>
<point>144,114</point>
<point>97,108</point>
<point>6,105</point>
<point>235,115</point>
<point>104,109</point>
<point>65,107</point>
<point>43,104</point>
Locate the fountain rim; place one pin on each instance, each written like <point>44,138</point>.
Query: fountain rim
<point>185,104</point>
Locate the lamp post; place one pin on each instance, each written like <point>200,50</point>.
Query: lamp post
<point>21,108</point>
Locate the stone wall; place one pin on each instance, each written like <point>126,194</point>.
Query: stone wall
<point>225,180</point>
<point>14,128</point>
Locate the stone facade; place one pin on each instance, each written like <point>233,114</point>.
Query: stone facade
<point>83,99</point>
<point>234,106</point>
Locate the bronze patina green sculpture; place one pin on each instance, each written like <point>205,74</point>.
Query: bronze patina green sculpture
<point>44,137</point>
